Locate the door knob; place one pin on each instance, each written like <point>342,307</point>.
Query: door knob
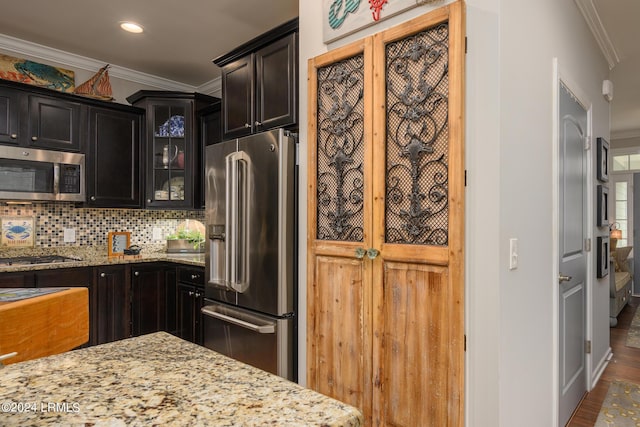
<point>360,253</point>
<point>372,253</point>
<point>563,278</point>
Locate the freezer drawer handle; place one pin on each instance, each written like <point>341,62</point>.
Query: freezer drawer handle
<point>265,329</point>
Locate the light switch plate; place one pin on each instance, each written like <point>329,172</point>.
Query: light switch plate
<point>69,235</point>
<point>513,254</point>
<point>157,233</point>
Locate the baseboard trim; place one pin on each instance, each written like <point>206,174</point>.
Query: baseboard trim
<point>602,364</point>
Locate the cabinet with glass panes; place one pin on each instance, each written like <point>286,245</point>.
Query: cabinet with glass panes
<point>173,153</point>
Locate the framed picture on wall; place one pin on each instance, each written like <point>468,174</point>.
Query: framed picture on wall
<point>603,256</point>
<point>603,206</point>
<point>117,242</point>
<point>603,160</point>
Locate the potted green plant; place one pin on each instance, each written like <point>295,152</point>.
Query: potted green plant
<point>185,241</point>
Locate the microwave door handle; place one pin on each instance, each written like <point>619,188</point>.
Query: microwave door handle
<point>56,178</point>
<point>261,329</point>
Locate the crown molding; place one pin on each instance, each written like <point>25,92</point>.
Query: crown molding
<point>212,87</point>
<point>23,47</point>
<point>625,134</point>
<point>594,22</point>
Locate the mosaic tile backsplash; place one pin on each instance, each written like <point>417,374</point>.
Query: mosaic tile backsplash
<point>93,225</point>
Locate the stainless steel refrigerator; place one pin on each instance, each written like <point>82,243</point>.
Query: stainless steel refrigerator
<point>250,297</point>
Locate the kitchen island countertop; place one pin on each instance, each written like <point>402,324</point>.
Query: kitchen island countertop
<point>158,379</point>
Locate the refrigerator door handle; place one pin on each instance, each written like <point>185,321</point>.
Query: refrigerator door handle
<point>236,262</point>
<point>262,329</point>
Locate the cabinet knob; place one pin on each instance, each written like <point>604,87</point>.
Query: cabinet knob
<point>247,125</point>
<point>360,253</point>
<point>93,198</point>
<point>103,275</point>
<point>194,276</point>
<point>198,294</point>
<point>191,293</point>
<point>149,200</point>
<point>34,138</point>
<point>14,136</point>
<point>136,273</point>
<point>258,123</point>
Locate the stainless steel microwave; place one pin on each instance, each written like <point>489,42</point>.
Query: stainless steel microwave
<point>41,175</point>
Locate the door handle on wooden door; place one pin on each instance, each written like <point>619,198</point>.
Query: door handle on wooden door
<point>563,278</point>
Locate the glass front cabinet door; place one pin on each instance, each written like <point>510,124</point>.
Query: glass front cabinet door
<point>173,149</point>
<point>170,147</point>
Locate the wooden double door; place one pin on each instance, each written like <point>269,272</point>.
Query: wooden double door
<point>386,227</point>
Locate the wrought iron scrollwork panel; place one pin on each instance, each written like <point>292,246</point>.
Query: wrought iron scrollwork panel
<point>416,205</point>
<point>340,155</point>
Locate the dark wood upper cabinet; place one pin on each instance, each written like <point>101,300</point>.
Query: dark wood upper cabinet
<point>276,84</point>
<point>259,83</point>
<point>173,147</point>
<point>54,123</point>
<point>114,170</point>
<point>9,113</point>
<point>210,133</point>
<point>40,118</point>
<point>237,98</point>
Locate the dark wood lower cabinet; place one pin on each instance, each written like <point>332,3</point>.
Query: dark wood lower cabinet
<point>190,300</point>
<point>17,280</point>
<point>114,307</point>
<point>153,299</point>
<point>129,300</point>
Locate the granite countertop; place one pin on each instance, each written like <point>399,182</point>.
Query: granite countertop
<point>158,379</point>
<point>95,256</point>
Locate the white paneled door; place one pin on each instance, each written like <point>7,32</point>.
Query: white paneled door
<point>572,121</point>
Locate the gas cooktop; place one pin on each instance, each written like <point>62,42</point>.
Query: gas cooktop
<point>42,259</point>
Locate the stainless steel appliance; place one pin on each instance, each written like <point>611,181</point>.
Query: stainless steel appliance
<point>249,311</point>
<point>32,174</point>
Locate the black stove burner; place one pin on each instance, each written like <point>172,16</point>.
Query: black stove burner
<point>43,259</point>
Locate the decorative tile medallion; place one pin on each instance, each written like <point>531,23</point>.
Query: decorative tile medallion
<point>17,232</point>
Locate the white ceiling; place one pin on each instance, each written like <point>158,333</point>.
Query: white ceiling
<point>615,26</point>
<point>181,36</point>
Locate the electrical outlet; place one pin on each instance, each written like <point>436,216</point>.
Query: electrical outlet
<point>157,233</point>
<point>69,235</point>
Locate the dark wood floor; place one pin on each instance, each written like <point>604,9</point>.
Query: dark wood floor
<point>625,365</point>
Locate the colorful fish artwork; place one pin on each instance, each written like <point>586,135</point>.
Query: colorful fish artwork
<point>344,17</point>
<point>339,10</point>
<point>37,74</point>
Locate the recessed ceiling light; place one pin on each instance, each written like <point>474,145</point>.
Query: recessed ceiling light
<point>131,27</point>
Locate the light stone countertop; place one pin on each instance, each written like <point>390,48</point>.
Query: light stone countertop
<point>89,257</point>
<point>158,379</point>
